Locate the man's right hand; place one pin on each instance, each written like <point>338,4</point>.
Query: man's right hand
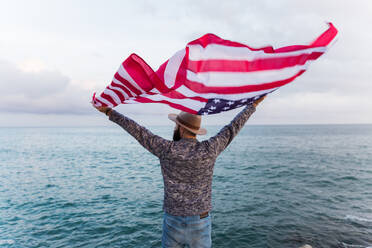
<point>255,103</point>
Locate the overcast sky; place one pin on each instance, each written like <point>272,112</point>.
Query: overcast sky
<point>55,54</point>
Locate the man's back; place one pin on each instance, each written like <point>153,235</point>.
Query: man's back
<point>187,165</point>
<point>187,168</point>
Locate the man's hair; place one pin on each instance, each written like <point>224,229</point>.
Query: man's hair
<point>176,133</point>
<point>190,133</point>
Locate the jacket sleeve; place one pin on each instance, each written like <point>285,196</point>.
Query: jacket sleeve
<point>223,138</point>
<point>153,143</point>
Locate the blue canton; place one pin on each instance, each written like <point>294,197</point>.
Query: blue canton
<point>217,105</point>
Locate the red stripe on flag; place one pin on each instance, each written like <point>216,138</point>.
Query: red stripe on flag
<point>250,66</point>
<point>108,98</point>
<point>150,93</point>
<point>123,88</point>
<point>322,41</point>
<point>160,71</point>
<point>208,39</point>
<point>177,95</point>
<point>152,77</point>
<point>325,38</point>
<point>137,72</point>
<point>174,105</point>
<point>127,84</point>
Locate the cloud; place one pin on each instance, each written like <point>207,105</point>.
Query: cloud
<point>30,84</point>
<point>40,91</point>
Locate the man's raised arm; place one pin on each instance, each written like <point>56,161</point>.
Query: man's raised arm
<point>152,142</point>
<point>223,138</point>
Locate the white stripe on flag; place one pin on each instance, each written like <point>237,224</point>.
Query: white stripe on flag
<point>219,79</point>
<point>171,69</point>
<point>154,90</point>
<point>131,101</point>
<point>109,104</point>
<point>189,103</point>
<point>113,95</point>
<point>125,95</point>
<point>215,51</point>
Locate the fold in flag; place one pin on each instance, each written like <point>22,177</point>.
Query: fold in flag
<point>212,75</point>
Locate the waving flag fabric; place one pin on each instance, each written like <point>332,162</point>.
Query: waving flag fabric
<point>212,75</point>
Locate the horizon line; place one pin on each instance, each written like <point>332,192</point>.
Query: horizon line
<point>211,125</point>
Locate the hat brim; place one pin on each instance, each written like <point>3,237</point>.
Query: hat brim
<point>200,131</point>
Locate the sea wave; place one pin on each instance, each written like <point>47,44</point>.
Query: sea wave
<point>6,241</point>
<point>345,245</point>
<point>356,218</point>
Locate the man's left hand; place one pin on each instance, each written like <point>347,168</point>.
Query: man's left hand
<point>101,108</point>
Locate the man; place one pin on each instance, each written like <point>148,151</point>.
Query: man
<point>187,169</point>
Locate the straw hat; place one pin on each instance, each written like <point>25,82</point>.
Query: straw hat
<point>189,121</point>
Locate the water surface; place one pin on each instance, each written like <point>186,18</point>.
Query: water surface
<point>274,186</point>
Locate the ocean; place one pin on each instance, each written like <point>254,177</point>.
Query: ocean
<point>274,186</point>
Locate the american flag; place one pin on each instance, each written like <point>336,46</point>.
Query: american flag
<point>211,75</point>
